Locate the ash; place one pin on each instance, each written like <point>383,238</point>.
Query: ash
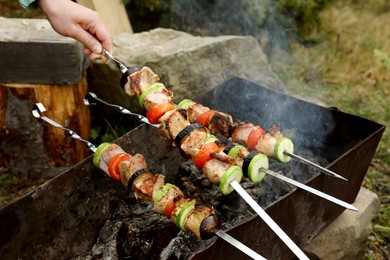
<point>135,231</point>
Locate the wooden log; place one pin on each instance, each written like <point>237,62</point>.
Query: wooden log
<point>113,14</point>
<point>32,148</point>
<point>32,52</point>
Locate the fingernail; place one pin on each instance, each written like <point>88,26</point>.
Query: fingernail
<point>97,48</point>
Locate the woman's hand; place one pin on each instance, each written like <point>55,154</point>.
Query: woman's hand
<point>81,23</point>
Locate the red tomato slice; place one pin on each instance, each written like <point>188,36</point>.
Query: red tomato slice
<point>113,165</point>
<point>169,208</point>
<point>254,136</point>
<point>204,154</point>
<point>158,111</point>
<point>205,118</point>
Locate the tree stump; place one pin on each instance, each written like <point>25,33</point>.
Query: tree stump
<point>39,65</point>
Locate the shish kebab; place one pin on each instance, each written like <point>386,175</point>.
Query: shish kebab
<point>157,100</point>
<point>254,164</point>
<point>192,140</point>
<point>272,143</point>
<point>189,214</point>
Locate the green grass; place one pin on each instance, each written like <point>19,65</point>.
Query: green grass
<point>349,68</point>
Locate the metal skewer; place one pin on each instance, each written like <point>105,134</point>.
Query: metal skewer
<point>324,170</point>
<point>122,67</point>
<point>120,109</point>
<point>309,189</point>
<point>39,108</point>
<point>269,221</point>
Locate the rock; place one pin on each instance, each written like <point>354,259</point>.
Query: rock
<point>347,236</point>
<point>186,64</point>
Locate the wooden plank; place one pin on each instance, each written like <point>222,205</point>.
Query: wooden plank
<point>113,14</point>
<point>32,52</point>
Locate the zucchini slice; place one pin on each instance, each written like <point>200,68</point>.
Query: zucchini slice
<point>98,152</point>
<point>183,213</point>
<point>185,103</point>
<point>258,161</point>
<point>283,144</point>
<point>161,192</point>
<point>234,151</point>
<point>233,173</point>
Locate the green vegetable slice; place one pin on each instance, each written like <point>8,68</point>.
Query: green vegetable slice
<point>183,213</point>
<point>185,103</point>
<point>233,173</point>
<point>147,91</point>
<point>283,144</point>
<point>98,152</point>
<point>161,192</point>
<point>234,151</point>
<point>258,161</point>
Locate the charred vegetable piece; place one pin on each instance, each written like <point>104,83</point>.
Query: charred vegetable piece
<point>185,132</point>
<point>204,154</point>
<point>113,165</point>
<point>134,175</point>
<point>283,144</point>
<point>254,136</point>
<point>205,118</point>
<point>233,173</point>
<point>156,112</point>
<point>209,226</point>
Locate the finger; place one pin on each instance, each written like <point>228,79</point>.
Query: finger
<point>104,36</point>
<point>87,51</point>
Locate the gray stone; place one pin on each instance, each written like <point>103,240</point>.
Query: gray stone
<point>190,65</point>
<point>347,236</point>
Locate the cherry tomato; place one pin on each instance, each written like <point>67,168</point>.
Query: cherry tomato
<point>205,118</point>
<point>169,208</point>
<point>113,165</point>
<point>254,136</point>
<point>204,154</point>
<point>158,111</point>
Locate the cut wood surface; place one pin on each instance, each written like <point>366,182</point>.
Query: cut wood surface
<point>30,146</point>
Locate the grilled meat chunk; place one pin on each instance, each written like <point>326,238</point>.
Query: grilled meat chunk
<point>128,167</point>
<point>194,111</point>
<point>173,122</point>
<point>158,96</point>
<point>214,169</point>
<point>241,132</point>
<point>139,81</point>
<point>221,123</point>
